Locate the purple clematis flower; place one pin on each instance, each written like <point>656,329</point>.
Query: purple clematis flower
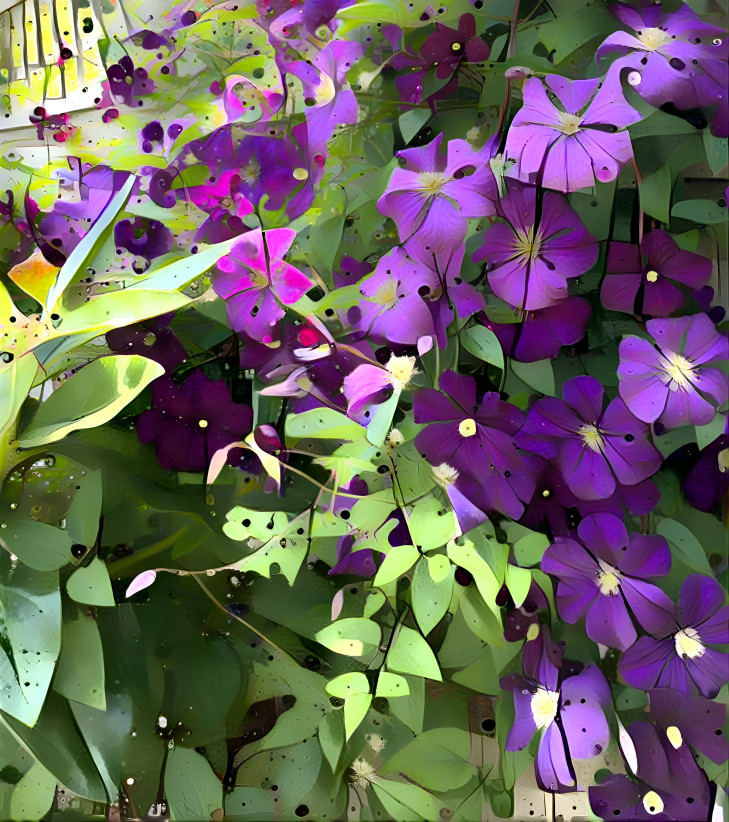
<point>152,339</point>
<point>143,237</point>
<point>672,786</point>
<point>433,194</point>
<point>708,481</point>
<point>189,422</point>
<point>603,573</point>
<point>673,57</point>
<point>570,713</point>
<point>529,264</point>
<point>475,440</point>
<point>567,141</point>
<point>594,449</point>
<point>682,659</point>
<point>670,382</point>
<point>645,280</point>
<point>254,276</point>
<point>447,48</point>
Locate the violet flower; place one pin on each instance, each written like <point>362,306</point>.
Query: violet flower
<point>595,449</point>
<point>683,659</point>
<point>672,786</point>
<point>670,382</point>
<point>189,422</point>
<point>568,140</point>
<point>529,263</point>
<point>645,279</point>
<point>433,194</point>
<point>253,277</point>
<point>447,48</point>
<point>143,237</point>
<point>604,573</point>
<point>476,440</point>
<point>708,481</point>
<point>569,712</point>
<point>673,57</point>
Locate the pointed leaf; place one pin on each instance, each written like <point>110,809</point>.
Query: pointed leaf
<point>80,671</point>
<point>431,597</point>
<point>91,585</point>
<point>351,637</point>
<point>36,544</point>
<point>33,795</point>
<point>347,685</point>
<point>192,790</point>
<point>355,710</point>
<point>398,561</point>
<point>411,654</point>
<point>390,685</point>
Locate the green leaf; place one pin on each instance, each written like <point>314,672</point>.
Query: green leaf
<point>412,121</point>
<point>80,671</point>
<point>331,737</point>
<point>518,581</point>
<point>82,519</point>
<point>34,794</point>
<point>706,434</point>
<point>483,344</point>
<point>717,151</point>
<point>30,608</point>
<point>351,637</point>
<point>468,557</point>
<point>530,549</point>
<point>436,759</point>
<point>431,590</point>
<point>381,421</point>
<point>355,710</point>
<point>655,193</point>
<point>91,585</point>
<point>37,545</point>
<point>323,423</point>
<point>537,375</point>
<point>432,524</point>
<point>178,274</point>
<point>482,618</point>
<point>483,673</point>
<point>287,553</point>
<point>390,685</point>
<point>245,522</point>
<point>398,561</point>
<point>91,397</point>
<point>411,711</point>
<point>411,654</point>
<point>405,795</point>
<point>192,790</point>
<point>16,380</point>
<point>703,212</point>
<point>83,254</point>
<point>684,545</point>
<point>347,685</point>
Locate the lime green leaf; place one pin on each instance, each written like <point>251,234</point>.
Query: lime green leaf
<point>381,420</point>
<point>518,581</point>
<point>80,672</point>
<point>431,591</point>
<point>91,585</point>
<point>390,685</point>
<point>37,545</point>
<point>375,600</point>
<point>408,796</point>
<point>323,423</point>
<point>411,654</point>
<point>351,637</point>
<point>347,685</point>
<point>432,524</point>
<point>177,275</point>
<point>398,561</point>
<point>355,710</point>
<point>16,380</point>
<point>411,711</point>
<point>82,519</point>
<point>484,344</point>
<point>684,545</point>
<point>468,557</point>
<point>529,549</point>
<point>192,790</point>
<point>244,523</point>
<point>287,553</point>
<point>435,759</point>
<point>91,397</point>
<point>33,795</point>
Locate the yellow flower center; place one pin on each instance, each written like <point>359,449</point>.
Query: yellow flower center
<point>467,428</point>
<point>688,643</point>
<point>569,123</point>
<point>544,707</point>
<point>431,182</point>
<point>723,460</point>
<point>591,437</point>
<point>386,294</point>
<point>445,474</point>
<point>653,39</point>
<point>674,736</point>
<point>527,245</point>
<point>402,369</point>
<point>679,370</point>
<point>652,803</point>
<point>608,580</point>
<point>652,276</point>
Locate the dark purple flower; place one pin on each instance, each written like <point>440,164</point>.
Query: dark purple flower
<point>603,573</point>
<point>448,47</point>
<point>433,194</point>
<point>529,264</point>
<point>125,84</point>
<point>594,449</point>
<point>683,660</point>
<point>644,280</point>
<point>189,422</point>
<point>254,276</point>
<point>708,481</point>
<point>570,713</point>
<point>568,141</point>
<point>673,57</point>
<point>475,440</point>
<point>152,339</point>
<point>143,237</point>
<point>670,382</point>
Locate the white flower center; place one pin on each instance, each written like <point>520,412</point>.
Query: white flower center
<point>431,182</point>
<point>608,580</point>
<point>674,736</point>
<point>362,772</point>
<point>386,294</point>
<point>445,474</point>
<point>467,428</point>
<point>652,803</point>
<point>402,369</point>
<point>688,643</point>
<point>679,370</point>
<point>653,39</point>
<point>591,437</point>
<point>569,123</point>
<point>544,707</point>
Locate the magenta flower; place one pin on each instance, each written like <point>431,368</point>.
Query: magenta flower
<point>672,381</point>
<point>252,279</point>
<point>567,141</point>
<point>603,574</point>
<point>683,660</point>
<point>529,264</point>
<point>433,194</point>
<point>673,57</point>
<point>594,449</point>
<point>646,280</point>
<point>476,440</point>
<point>447,48</point>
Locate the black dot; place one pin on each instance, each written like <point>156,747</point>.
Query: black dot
<point>488,725</point>
<point>78,551</point>
<point>302,810</point>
